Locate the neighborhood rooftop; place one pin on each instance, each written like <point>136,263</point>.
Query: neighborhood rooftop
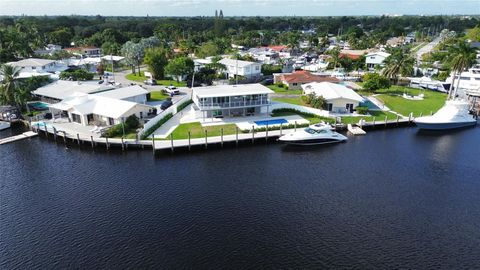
<point>31,62</point>
<point>62,89</point>
<point>231,90</point>
<point>333,91</point>
<point>123,93</point>
<point>234,62</point>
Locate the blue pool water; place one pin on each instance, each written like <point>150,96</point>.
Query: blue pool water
<point>271,122</point>
<point>39,105</point>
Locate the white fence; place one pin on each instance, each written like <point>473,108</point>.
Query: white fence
<point>281,105</point>
<point>172,109</point>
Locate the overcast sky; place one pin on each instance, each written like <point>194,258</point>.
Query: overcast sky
<point>238,7</point>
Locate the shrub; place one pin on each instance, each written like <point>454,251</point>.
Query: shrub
<point>184,105</point>
<point>375,81</point>
<point>362,110</point>
<point>131,124</point>
<point>76,75</point>
<point>262,129</point>
<point>157,125</point>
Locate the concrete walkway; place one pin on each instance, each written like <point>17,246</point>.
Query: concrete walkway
<point>168,127</point>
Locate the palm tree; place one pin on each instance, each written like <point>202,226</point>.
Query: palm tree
<point>400,62</point>
<point>9,85</point>
<point>462,56</point>
<point>335,54</point>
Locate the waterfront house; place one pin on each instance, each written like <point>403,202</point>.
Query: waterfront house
<point>59,90</point>
<point>375,59</point>
<point>50,49</point>
<point>87,51</point>
<point>245,69</point>
<point>231,100</point>
<point>86,109</point>
<point>295,80</point>
<point>339,98</point>
<point>38,65</point>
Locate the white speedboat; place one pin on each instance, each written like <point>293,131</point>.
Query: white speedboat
<point>4,125</point>
<point>453,115</point>
<point>313,135</point>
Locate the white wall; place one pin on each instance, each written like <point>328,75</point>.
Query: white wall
<point>280,105</point>
<point>172,109</point>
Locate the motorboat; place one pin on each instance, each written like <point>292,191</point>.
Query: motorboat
<point>4,125</point>
<point>321,133</point>
<point>454,114</point>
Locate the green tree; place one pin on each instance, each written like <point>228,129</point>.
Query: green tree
<point>400,62</point>
<point>156,60</point>
<point>179,67</point>
<point>9,85</point>
<point>461,57</point>
<point>374,81</point>
<point>62,36</point>
<point>335,54</point>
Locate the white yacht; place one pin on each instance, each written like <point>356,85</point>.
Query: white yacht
<point>454,114</point>
<point>4,125</point>
<point>315,134</point>
<point>469,80</point>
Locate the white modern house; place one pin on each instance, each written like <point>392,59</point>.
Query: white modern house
<point>340,99</point>
<point>241,68</point>
<point>375,59</point>
<point>134,93</point>
<point>59,90</point>
<point>38,65</point>
<point>231,100</point>
<point>86,109</point>
<point>50,49</point>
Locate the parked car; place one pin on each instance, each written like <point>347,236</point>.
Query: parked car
<point>150,82</point>
<point>166,104</point>
<point>171,90</point>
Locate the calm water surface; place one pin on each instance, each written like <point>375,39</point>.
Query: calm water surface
<point>390,199</point>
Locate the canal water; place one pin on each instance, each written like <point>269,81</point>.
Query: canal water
<point>394,198</point>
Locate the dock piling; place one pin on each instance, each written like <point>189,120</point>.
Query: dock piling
<point>374,121</point>
<point>189,141</point>
<point>46,132</point>
<point>91,140</point>
<point>281,125</point>
<point>236,136</point>
<point>386,120</point>
<point>221,137</point>
<point>54,134</point>
<point>171,141</point>
<point>421,113</point>
<point>266,135</point>
<point>295,126</point>
<point>153,143</point>
<point>106,142</point>
<point>398,118</point>
<point>78,138</point>
<point>253,134</point>
<point>65,138</point>
<point>123,145</point>
<point>206,140</point>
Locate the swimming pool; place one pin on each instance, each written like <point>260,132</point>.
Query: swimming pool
<point>271,122</point>
<point>39,105</point>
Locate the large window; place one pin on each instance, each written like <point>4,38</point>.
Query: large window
<point>76,118</point>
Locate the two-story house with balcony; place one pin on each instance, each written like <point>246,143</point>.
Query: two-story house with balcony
<point>241,68</point>
<point>231,100</point>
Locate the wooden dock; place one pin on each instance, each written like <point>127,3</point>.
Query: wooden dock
<point>355,130</point>
<point>22,136</point>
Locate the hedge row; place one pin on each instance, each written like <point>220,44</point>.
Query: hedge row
<point>262,129</point>
<point>157,125</point>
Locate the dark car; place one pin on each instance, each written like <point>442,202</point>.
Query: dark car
<point>167,103</point>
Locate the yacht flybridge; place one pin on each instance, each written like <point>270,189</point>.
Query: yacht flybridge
<point>315,134</point>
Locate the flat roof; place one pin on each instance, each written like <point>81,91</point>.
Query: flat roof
<point>231,90</point>
<point>61,89</point>
<point>124,92</point>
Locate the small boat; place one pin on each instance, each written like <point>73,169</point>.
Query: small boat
<point>314,134</point>
<point>455,114</point>
<point>355,129</point>
<point>4,125</point>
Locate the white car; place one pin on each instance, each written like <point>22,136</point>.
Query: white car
<point>172,90</point>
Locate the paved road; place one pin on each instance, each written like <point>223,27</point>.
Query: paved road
<point>427,48</point>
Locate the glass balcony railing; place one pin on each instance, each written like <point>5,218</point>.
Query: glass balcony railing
<point>234,104</point>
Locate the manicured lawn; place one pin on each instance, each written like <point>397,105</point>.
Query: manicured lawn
<point>295,101</point>
<point>197,131</point>
<point>172,82</point>
<point>379,116</point>
<point>393,99</point>
<point>158,96</point>
<point>135,77</point>
<point>281,90</point>
<point>310,117</point>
